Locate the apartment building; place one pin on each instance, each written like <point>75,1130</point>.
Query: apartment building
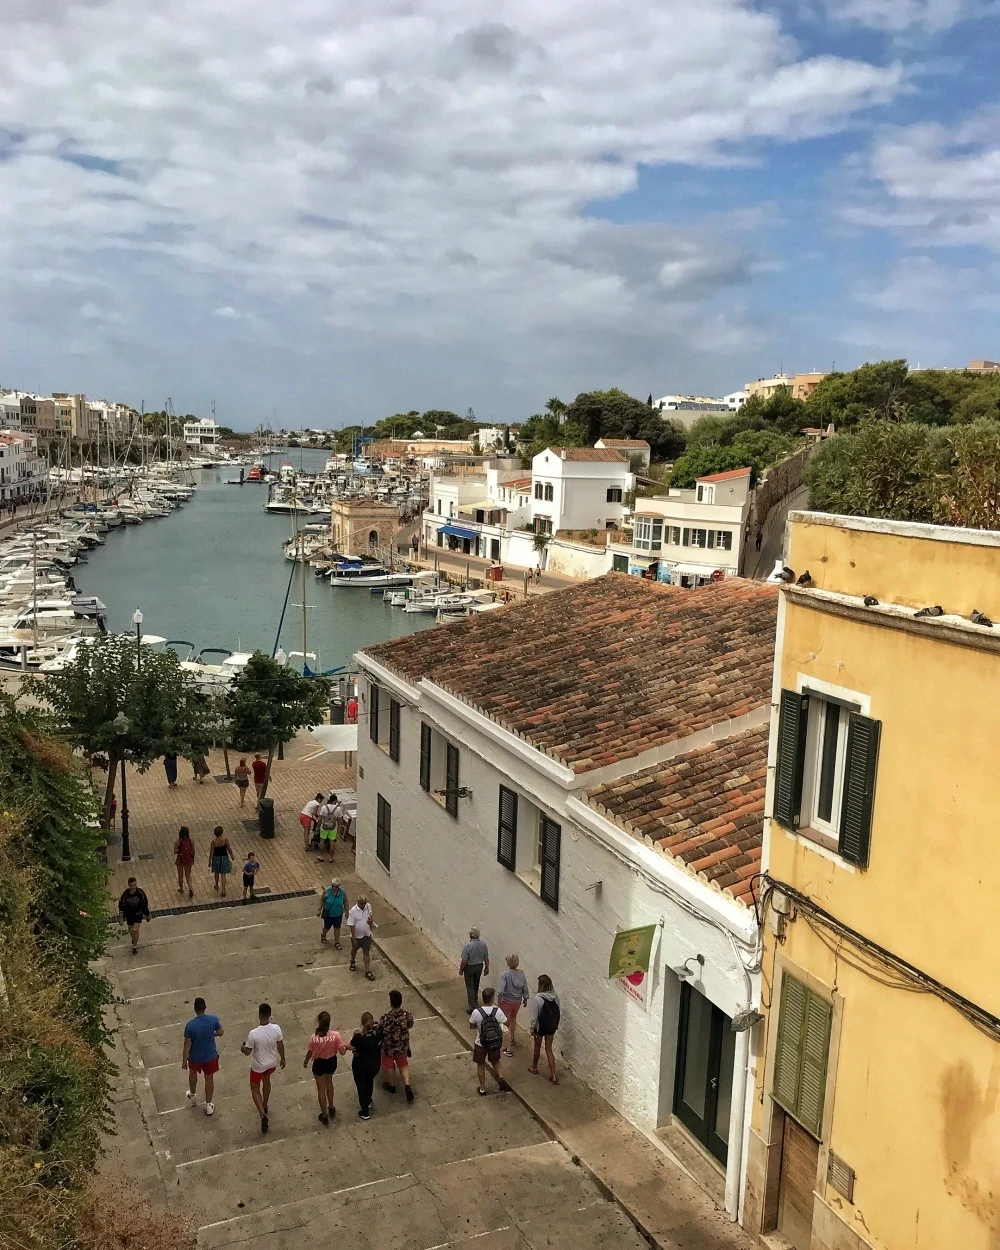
<point>10,410</point>
<point>588,762</point>
<point>875,1118</point>
<point>579,488</point>
<point>201,434</point>
<point>22,473</point>
<point>689,537</point>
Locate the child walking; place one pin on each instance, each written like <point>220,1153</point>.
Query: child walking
<point>250,870</point>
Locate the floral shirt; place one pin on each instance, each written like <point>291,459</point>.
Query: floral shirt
<point>395,1026</point>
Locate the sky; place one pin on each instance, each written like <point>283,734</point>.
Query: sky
<point>320,212</point>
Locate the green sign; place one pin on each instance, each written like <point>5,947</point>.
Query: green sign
<point>631,953</point>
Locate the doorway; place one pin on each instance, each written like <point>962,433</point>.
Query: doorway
<point>495,549</point>
<point>799,1164</point>
<point>703,1088</point>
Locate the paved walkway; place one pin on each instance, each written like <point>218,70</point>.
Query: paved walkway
<point>157,812</point>
<point>542,1167</point>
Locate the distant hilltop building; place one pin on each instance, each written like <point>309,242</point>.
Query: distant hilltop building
<point>984,366</point>
<point>688,408</point>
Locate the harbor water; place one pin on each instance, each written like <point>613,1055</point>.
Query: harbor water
<point>213,573</point>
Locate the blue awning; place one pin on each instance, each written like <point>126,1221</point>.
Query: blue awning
<point>453,531</point>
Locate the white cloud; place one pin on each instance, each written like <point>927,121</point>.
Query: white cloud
<point>404,171</point>
<point>935,184</point>
<point>898,16</point>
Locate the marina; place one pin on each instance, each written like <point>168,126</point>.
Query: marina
<point>201,562</point>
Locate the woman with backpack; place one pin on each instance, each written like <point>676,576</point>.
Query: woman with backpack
<point>488,1021</point>
<point>544,1023</point>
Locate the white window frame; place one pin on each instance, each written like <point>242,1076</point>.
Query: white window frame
<point>705,494</point>
<point>823,692</point>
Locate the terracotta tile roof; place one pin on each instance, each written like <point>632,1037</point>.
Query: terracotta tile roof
<point>518,481</point>
<point>704,808</point>
<point>723,477</point>
<point>588,453</point>
<point>639,444</point>
<point>604,670</point>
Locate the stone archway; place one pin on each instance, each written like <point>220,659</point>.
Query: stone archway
<point>373,539</point>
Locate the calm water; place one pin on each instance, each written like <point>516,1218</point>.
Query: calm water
<point>213,573</point>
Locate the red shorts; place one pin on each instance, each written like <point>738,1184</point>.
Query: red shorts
<point>257,1077</point>
<point>305,821</point>
<point>209,1067</point>
<point>393,1061</point>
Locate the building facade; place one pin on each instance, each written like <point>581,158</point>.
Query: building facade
<point>362,527</point>
<point>876,1117</point>
<point>689,537</point>
<point>22,473</point>
<point>557,771</point>
<point>201,434</point>
<point>766,387</point>
<point>578,488</point>
<point>803,384</point>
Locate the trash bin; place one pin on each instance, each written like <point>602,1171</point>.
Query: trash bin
<point>496,572</point>
<point>266,818</point>
<point>336,710</point>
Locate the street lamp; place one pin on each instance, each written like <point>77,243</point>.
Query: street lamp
<point>121,727</point>
<point>137,622</point>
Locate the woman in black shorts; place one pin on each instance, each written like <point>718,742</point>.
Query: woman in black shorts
<point>324,1047</point>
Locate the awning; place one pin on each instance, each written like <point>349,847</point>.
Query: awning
<point>336,737</point>
<point>454,531</point>
<point>694,570</point>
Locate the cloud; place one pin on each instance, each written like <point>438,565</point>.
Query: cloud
<point>399,171</point>
<point>898,16</point>
<point>935,184</point>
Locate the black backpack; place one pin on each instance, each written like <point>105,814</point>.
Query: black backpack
<point>548,1017</point>
<point>490,1032</point>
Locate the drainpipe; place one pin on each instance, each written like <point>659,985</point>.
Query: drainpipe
<point>737,1122</point>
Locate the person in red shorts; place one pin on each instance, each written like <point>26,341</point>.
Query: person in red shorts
<point>266,1046</point>
<point>394,1028</point>
<point>259,770</point>
<point>201,1053</point>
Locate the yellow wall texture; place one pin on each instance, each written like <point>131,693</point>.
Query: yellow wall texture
<point>916,1092</point>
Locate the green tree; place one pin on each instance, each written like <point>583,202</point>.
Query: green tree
<point>970,493</point>
<point>112,700</point>
<point>883,389</point>
<point>883,469</point>
<point>269,703</point>
<point>702,461</point>
<point>615,414</point>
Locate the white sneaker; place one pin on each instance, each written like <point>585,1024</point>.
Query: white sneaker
<point>192,1097</point>
<point>210,1108</point>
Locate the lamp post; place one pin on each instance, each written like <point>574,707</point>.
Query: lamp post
<point>137,622</point>
<point>121,728</point>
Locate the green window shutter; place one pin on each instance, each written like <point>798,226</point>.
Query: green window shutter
<point>788,1051</point>
<point>860,766</point>
<point>383,832</point>
<point>815,1057</point>
<point>507,829</point>
<point>451,781</point>
<point>373,698</point>
<point>791,758</point>
<point>425,757</point>
<point>394,711</point>
<point>550,837</point>
<point>802,1054</point>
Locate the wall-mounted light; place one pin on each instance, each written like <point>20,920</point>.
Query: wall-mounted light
<point>746,1019</point>
<point>684,971</point>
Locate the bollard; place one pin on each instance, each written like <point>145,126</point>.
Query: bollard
<point>265,817</point>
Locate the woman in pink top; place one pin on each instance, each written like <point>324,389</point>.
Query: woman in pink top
<point>324,1047</point>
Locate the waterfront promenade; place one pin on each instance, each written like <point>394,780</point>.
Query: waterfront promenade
<point>542,1168</point>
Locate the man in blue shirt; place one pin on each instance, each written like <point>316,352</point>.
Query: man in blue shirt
<point>201,1053</point>
<point>332,907</point>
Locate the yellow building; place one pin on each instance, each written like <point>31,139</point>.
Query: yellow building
<point>876,1116</point>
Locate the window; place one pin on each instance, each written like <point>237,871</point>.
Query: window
<point>394,716</point>
<point>538,490</point>
<point>802,1054</point>
<point>705,494</point>
<point>549,838</point>
<point>543,525</point>
<point>699,538</point>
<point>548,492</point>
<point>451,780</point>
<point>425,756</point>
<point>507,829</point>
<point>614,494</point>
<point>724,540</point>
<point>439,507</point>
<point>374,695</point>
<point>647,533</point>
<point>825,772</point>
<point>383,832</point>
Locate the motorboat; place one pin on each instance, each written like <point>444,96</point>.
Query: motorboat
<point>214,679</point>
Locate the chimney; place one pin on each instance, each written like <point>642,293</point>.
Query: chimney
<point>563,453</point>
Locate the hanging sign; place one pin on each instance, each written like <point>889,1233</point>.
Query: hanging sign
<point>631,954</point>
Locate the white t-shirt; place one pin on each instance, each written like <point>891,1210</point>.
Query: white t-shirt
<point>311,808</point>
<point>477,1019</point>
<point>263,1041</point>
<point>361,918</point>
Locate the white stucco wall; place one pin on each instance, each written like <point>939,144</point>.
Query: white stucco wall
<point>445,877</point>
<point>577,559</point>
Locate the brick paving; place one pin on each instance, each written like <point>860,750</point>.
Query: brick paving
<point>157,812</point>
